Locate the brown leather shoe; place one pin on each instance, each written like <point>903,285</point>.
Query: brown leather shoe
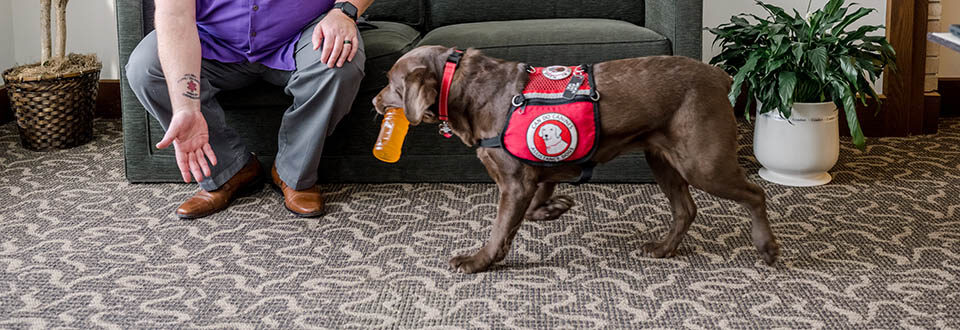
<point>307,203</point>
<point>205,203</point>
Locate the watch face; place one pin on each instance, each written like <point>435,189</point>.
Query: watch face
<point>347,8</point>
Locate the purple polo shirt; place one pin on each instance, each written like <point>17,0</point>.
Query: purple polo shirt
<point>256,31</point>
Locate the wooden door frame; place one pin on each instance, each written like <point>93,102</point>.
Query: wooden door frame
<point>905,111</point>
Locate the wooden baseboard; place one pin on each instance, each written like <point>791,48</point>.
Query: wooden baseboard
<point>949,89</point>
<point>5,113</point>
<point>870,117</point>
<point>931,108</point>
<point>108,101</point>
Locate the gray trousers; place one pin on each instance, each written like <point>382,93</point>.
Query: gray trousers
<point>321,97</point>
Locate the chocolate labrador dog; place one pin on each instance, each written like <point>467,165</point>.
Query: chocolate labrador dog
<point>674,108</point>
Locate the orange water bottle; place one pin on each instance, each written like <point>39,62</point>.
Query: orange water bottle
<point>392,132</point>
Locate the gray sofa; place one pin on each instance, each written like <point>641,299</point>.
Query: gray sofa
<point>541,32</point>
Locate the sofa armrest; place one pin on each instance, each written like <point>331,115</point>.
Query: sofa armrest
<point>138,158</point>
<point>681,21</point>
<point>130,30</point>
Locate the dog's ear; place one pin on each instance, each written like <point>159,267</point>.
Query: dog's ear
<point>420,92</point>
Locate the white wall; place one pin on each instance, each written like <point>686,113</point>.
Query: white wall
<point>949,59</point>
<point>717,12</point>
<point>91,28</point>
<point>6,36</point>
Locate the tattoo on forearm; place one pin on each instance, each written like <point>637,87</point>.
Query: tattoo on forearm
<point>191,85</point>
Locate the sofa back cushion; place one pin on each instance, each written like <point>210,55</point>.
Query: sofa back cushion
<point>148,9</point>
<point>410,12</point>
<point>449,12</point>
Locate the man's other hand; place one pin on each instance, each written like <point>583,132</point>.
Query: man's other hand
<point>191,141</point>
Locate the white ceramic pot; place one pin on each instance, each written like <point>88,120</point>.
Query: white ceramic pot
<point>798,152</point>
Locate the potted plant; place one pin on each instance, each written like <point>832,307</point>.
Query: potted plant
<point>800,70</point>
<point>53,100</point>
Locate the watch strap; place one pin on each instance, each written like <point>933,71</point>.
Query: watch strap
<point>347,8</point>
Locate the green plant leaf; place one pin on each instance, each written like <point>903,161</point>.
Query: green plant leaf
<point>819,58</point>
<point>852,18</point>
<point>850,71</point>
<point>739,21</point>
<point>845,97</point>
<point>788,84</point>
<point>775,65</point>
<point>860,34</point>
<point>798,52</point>
<point>777,12</point>
<point>832,7</point>
<point>741,76</point>
<point>869,90</point>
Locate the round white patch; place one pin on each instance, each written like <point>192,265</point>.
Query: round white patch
<point>557,72</point>
<point>552,137</point>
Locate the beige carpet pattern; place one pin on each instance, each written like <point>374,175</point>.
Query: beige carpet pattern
<point>80,248</point>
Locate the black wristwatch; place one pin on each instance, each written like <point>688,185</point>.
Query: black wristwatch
<point>347,8</point>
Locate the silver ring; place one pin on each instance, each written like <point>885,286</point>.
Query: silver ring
<point>517,100</point>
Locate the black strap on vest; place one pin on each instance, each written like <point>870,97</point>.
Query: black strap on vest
<point>585,173</point>
<point>493,142</point>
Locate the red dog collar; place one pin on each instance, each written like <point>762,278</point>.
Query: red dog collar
<point>453,61</point>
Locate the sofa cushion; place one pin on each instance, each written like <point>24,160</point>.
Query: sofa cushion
<point>449,12</point>
<point>410,12</point>
<point>383,46</point>
<point>568,41</point>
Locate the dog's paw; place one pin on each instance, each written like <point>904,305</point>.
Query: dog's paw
<point>552,209</point>
<point>769,252</point>
<point>470,264</point>
<point>658,250</point>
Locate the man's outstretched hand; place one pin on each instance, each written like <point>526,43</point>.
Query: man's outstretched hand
<point>191,141</point>
<point>335,30</point>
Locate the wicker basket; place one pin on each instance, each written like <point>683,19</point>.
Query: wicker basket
<point>54,111</point>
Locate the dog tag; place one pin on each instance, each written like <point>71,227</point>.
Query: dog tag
<point>445,129</point>
<point>571,91</point>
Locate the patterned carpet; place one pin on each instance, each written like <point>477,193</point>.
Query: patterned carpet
<point>878,248</point>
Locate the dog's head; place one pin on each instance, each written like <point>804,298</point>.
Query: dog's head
<point>550,132</point>
<point>414,84</point>
<point>480,93</point>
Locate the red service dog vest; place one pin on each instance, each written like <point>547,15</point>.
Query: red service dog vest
<point>554,121</point>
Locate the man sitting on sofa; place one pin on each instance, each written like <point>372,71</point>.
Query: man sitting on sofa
<point>201,47</point>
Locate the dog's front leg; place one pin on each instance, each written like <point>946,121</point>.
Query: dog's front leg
<point>517,188</point>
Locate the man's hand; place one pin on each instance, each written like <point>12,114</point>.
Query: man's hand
<point>190,138</point>
<point>339,34</point>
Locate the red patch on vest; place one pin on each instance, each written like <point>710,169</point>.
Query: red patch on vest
<point>549,128</point>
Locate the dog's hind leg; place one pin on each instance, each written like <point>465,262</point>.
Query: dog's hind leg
<point>545,206</point>
<point>710,163</point>
<point>517,187</point>
<point>752,197</point>
<point>681,203</point>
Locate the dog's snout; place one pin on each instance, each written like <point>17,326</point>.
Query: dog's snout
<point>378,103</point>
